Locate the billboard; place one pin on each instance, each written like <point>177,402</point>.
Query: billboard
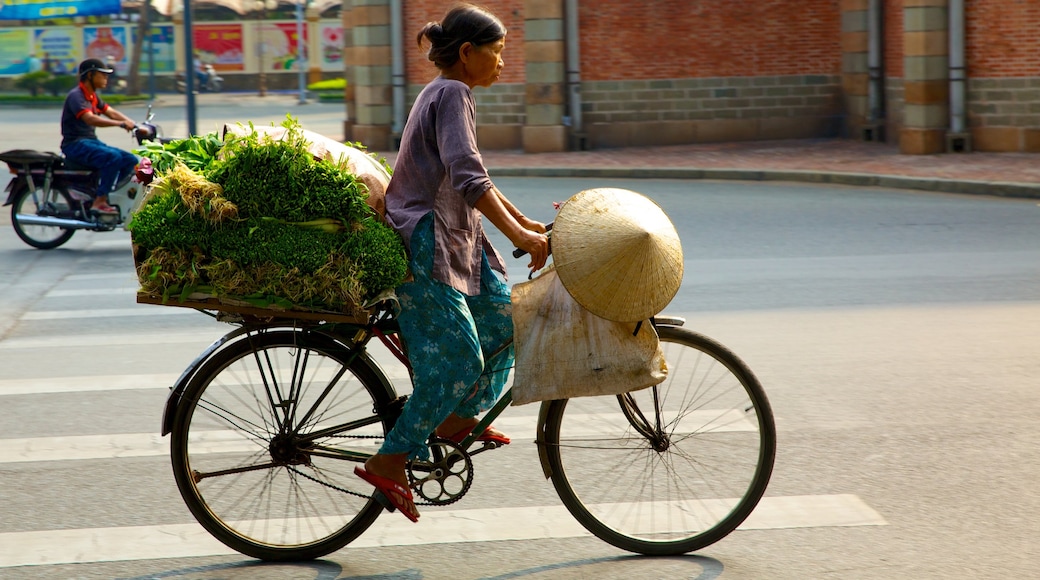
<point>219,45</point>
<point>14,51</point>
<point>40,9</point>
<point>61,47</point>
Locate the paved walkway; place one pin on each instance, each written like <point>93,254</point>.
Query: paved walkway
<point>808,160</point>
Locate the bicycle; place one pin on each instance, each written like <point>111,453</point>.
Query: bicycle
<point>268,422</point>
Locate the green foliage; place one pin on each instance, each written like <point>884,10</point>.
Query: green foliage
<point>304,234</point>
<point>295,186</point>
<point>59,85</point>
<point>198,153</point>
<point>328,85</point>
<point>34,82</point>
<point>164,221</point>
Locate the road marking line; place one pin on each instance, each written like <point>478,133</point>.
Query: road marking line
<point>91,545</point>
<point>124,445</point>
<point>201,337</point>
<point>104,313</point>
<point>41,386</point>
<point>123,276</point>
<point>93,292</point>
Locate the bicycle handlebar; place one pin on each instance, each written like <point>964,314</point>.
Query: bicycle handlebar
<point>517,253</point>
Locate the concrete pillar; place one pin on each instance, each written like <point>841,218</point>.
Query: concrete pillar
<point>925,77</point>
<point>367,61</point>
<point>313,27</point>
<point>854,73</point>
<point>544,53</point>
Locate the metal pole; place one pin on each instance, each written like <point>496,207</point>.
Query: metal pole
<point>189,65</point>
<point>151,63</point>
<point>299,51</point>
<point>261,45</point>
<point>957,76</point>
<point>573,74</point>
<point>397,74</point>
<point>875,98</point>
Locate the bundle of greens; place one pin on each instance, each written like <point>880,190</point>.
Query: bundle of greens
<point>265,222</point>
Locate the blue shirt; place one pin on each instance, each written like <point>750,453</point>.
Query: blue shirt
<point>78,102</point>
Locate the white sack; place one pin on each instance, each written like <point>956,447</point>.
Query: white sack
<point>564,351</point>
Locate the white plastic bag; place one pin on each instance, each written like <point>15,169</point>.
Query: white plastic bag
<point>564,351</point>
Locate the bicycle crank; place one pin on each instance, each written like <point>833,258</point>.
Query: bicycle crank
<point>445,478</point>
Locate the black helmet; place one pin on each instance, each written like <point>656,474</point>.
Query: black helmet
<point>91,65</point>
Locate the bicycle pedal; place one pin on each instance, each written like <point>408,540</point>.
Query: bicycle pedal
<point>384,501</point>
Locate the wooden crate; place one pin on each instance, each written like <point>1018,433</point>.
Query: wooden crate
<point>250,312</point>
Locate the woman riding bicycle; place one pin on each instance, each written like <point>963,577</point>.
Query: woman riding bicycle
<point>456,310</point>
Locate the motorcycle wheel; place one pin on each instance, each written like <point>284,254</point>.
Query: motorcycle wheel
<point>59,205</point>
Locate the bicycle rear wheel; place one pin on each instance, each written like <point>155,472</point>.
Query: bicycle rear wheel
<point>672,468</point>
<point>256,451</point>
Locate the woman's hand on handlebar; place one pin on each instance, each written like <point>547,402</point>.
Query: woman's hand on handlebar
<point>530,224</point>
<point>536,244</point>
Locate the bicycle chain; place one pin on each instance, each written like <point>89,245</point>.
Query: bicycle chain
<point>361,495</point>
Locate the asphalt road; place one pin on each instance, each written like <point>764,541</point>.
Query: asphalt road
<point>895,332</point>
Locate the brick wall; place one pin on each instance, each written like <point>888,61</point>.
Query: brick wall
<point>1003,48</point>
<point>1003,38</point>
<point>671,71</point>
<point>418,12</point>
<point>662,39</point>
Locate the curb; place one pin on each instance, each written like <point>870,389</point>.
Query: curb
<point>962,186</point>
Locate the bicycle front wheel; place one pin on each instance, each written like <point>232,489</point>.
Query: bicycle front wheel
<point>669,469</point>
<point>265,440</point>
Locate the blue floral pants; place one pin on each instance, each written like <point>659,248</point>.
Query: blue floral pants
<point>453,342</point>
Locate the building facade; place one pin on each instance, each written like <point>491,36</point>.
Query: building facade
<point>932,75</point>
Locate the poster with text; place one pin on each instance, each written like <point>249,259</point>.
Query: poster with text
<point>37,9</point>
<point>15,48</point>
<point>279,46</point>
<point>107,44</point>
<point>61,47</point>
<point>331,45</point>
<point>162,50</point>
<point>219,45</point>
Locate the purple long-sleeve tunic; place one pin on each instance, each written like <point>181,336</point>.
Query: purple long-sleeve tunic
<point>439,169</point>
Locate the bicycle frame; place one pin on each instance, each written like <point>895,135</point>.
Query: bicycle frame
<point>381,325</point>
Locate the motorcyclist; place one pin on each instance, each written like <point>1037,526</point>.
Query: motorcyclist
<point>84,111</point>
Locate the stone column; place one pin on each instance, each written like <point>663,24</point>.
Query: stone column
<point>544,54</point>
<point>368,78</point>
<point>854,73</point>
<point>314,57</point>
<point>925,77</point>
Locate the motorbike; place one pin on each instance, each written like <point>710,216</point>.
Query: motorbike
<point>50,196</point>
<point>214,83</point>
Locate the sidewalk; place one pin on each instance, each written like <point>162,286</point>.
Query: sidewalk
<point>842,161</point>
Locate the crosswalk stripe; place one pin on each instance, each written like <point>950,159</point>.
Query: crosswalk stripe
<point>124,445</point>
<point>201,337</point>
<point>104,276</point>
<point>40,386</point>
<point>104,313</point>
<point>127,290</point>
<point>52,547</point>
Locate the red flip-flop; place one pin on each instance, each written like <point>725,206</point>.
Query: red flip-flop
<point>398,496</point>
<point>487,435</point>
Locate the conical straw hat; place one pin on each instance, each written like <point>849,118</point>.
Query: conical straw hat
<point>617,254</point>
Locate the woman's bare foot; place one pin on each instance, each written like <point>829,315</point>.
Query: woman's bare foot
<point>388,466</point>
<point>454,425</point>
